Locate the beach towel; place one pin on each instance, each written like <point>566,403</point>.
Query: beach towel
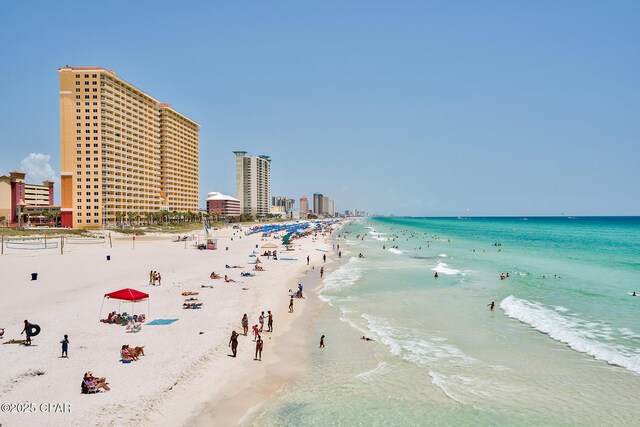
<point>162,322</point>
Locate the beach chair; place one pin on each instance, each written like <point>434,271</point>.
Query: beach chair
<point>88,389</point>
<point>133,327</point>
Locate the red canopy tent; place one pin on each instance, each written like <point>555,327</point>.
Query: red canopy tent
<point>127,294</point>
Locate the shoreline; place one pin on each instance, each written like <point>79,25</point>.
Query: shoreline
<point>290,362</point>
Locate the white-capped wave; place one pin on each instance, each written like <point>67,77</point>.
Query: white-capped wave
<point>578,334</point>
<point>378,236</point>
<point>395,251</point>
<point>443,255</point>
<point>345,276</point>
<point>443,268</point>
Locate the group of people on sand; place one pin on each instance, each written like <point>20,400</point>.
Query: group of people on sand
<point>124,318</point>
<point>257,334</point>
<point>155,279</point>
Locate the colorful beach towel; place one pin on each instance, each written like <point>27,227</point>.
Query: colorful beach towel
<point>162,321</point>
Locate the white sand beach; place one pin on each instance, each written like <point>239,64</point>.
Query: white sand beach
<point>186,376</point>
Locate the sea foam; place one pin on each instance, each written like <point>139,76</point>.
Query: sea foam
<point>443,268</point>
<point>580,335</point>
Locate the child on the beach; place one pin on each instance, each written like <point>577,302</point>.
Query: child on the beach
<point>65,346</point>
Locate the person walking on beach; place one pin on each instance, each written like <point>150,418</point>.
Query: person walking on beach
<point>159,279</point>
<point>339,254</point>
<point>322,341</point>
<point>259,345</point>
<point>27,330</point>
<point>151,278</point>
<point>324,258</point>
<point>321,272</point>
<point>291,304</point>
<point>491,305</point>
<point>256,332</point>
<point>245,324</point>
<point>233,343</point>
<point>270,321</point>
<point>65,346</point>
<point>307,259</point>
<point>261,321</point>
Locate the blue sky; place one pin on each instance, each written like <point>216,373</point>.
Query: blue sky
<point>404,107</point>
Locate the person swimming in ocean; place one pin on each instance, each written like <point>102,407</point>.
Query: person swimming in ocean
<point>491,305</point>
<point>436,275</point>
<point>366,338</point>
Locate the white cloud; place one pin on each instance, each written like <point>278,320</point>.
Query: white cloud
<point>38,168</point>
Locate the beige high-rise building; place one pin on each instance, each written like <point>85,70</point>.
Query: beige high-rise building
<point>253,183</point>
<point>123,154</point>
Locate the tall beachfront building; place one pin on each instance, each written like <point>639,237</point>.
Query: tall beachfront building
<point>304,204</point>
<point>253,183</point>
<point>122,152</point>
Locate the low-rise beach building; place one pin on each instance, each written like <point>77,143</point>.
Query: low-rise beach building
<point>18,197</point>
<point>221,204</point>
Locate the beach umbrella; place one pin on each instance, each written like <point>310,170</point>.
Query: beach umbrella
<point>269,246</point>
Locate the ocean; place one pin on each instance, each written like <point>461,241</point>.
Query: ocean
<point>561,346</point>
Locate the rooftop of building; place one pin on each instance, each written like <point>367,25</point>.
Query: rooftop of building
<point>219,196</point>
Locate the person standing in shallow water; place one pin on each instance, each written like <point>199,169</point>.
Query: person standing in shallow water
<point>324,258</point>
<point>491,305</point>
<point>322,341</point>
<point>307,259</point>
<point>321,272</point>
<point>233,343</point>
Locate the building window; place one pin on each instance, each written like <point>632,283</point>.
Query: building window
<point>77,89</point>
<point>77,76</point>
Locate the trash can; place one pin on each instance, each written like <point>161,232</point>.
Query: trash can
<point>108,257</point>
<point>34,276</point>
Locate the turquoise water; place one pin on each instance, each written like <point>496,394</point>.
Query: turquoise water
<point>562,346</point>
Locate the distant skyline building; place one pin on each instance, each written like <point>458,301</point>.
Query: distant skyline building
<point>122,152</point>
<point>304,205</point>
<point>253,183</point>
<point>284,202</point>
<point>331,208</point>
<point>317,203</point>
<point>16,196</point>
<point>221,204</point>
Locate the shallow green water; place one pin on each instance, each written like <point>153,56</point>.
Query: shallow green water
<point>562,346</point>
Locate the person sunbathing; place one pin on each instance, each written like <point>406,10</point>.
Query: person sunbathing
<point>215,276</point>
<point>90,381</point>
<point>226,279</point>
<point>127,353</point>
<point>233,266</point>
<point>258,268</point>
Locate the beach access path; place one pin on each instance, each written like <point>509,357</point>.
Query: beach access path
<point>186,375</point>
